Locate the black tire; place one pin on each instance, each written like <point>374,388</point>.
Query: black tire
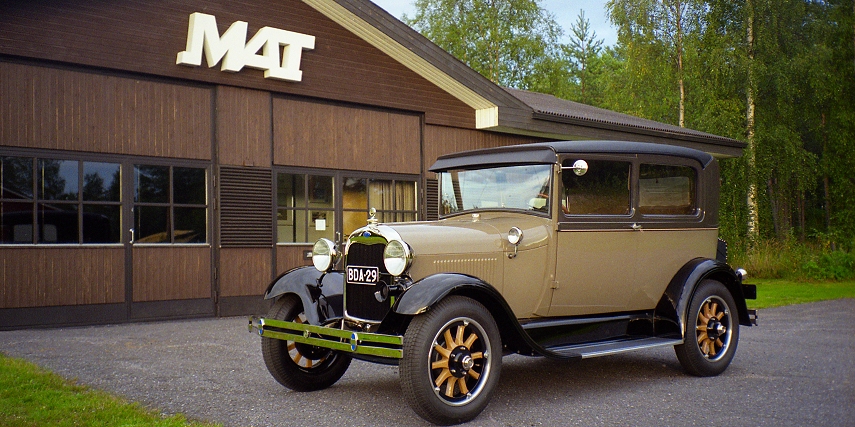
<point>297,366</point>
<point>452,361</point>
<point>712,331</point>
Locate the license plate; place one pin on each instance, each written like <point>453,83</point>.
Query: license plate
<point>362,275</point>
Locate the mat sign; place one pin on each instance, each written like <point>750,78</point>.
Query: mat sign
<point>235,52</point>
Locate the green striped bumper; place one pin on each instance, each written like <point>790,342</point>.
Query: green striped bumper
<point>335,339</point>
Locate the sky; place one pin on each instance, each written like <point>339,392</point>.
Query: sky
<point>565,12</point>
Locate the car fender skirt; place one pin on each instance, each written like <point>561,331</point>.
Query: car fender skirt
<point>319,302</point>
<point>672,307</point>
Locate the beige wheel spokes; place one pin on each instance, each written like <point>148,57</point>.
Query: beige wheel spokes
<point>455,369</point>
<point>298,358</point>
<point>710,329</point>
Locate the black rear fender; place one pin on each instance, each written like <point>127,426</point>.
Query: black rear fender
<point>673,306</point>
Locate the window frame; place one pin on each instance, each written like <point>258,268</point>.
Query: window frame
<point>338,194</point>
<point>646,221</point>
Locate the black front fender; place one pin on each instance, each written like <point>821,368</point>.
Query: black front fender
<point>422,295</point>
<point>320,301</point>
<point>673,306</point>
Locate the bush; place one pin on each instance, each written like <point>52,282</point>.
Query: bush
<point>772,259</point>
<point>836,265</point>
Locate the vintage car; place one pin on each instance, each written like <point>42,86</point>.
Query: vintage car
<point>566,250</point>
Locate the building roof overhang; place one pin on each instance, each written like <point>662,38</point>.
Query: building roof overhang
<point>507,110</point>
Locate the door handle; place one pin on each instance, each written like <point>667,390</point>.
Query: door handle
<point>132,236</point>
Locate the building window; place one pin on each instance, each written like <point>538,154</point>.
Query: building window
<point>311,206</point>
<point>394,200</point>
<point>305,207</point>
<point>59,201</point>
<point>170,204</point>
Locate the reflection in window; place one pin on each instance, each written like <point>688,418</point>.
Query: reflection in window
<point>16,200</point>
<point>62,211</point>
<point>170,204</point>
<point>524,187</point>
<point>666,190</point>
<point>603,190</point>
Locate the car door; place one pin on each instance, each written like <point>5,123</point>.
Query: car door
<point>596,242</point>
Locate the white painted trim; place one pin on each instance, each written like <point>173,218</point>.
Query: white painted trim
<point>487,113</point>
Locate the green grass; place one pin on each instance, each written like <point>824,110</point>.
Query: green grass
<point>31,396</point>
<point>779,292</point>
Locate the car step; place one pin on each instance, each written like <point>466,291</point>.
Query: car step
<point>612,347</point>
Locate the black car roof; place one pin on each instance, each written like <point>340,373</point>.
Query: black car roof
<point>547,152</point>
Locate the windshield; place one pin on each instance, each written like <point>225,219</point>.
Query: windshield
<point>523,187</point>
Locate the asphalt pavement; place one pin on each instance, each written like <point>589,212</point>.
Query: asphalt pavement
<point>797,368</point>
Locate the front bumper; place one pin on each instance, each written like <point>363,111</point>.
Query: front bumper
<point>343,340</point>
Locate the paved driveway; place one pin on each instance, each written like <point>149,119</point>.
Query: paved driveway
<point>796,369</point>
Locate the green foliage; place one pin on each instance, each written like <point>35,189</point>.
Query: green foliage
<point>836,265</point>
<point>690,61</point>
<point>514,43</point>
<point>30,396</point>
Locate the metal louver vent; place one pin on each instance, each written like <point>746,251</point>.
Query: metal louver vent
<point>246,207</point>
<point>432,202</point>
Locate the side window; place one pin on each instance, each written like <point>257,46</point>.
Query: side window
<point>602,190</point>
<point>666,190</point>
<point>170,204</point>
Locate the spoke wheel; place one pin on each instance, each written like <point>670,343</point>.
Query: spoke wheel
<point>298,366</point>
<point>712,331</point>
<point>458,361</point>
<point>452,361</point>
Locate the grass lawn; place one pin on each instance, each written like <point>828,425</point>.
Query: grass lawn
<point>31,396</point>
<point>778,292</point>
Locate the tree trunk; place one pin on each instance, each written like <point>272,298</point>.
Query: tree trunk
<point>750,150</point>
<point>679,47</point>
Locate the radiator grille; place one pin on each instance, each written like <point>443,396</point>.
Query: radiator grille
<point>359,300</point>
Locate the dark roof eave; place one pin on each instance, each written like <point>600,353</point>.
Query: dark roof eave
<point>578,121</point>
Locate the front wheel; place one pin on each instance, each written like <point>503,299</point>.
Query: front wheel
<point>712,331</point>
<point>452,361</point>
<point>300,367</point>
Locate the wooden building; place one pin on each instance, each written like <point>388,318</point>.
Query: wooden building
<point>168,159</point>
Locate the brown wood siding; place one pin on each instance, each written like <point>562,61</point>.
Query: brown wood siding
<point>43,277</point>
<point>244,271</point>
<point>243,127</point>
<point>441,140</point>
<point>322,135</point>
<point>171,273</point>
<point>145,36</point>
<point>288,257</point>
<point>59,109</point>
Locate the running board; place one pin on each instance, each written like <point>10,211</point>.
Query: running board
<point>612,347</point>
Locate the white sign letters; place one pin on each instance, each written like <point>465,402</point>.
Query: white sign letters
<point>235,53</point>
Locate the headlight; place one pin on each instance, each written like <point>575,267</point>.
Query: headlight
<point>324,255</point>
<point>397,257</point>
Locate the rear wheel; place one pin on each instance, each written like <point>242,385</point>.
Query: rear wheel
<point>712,331</point>
<point>298,366</point>
<point>452,361</point>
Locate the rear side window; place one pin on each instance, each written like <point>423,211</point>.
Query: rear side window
<point>667,190</point>
<point>602,190</point>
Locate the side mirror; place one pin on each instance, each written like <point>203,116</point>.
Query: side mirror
<point>580,167</point>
